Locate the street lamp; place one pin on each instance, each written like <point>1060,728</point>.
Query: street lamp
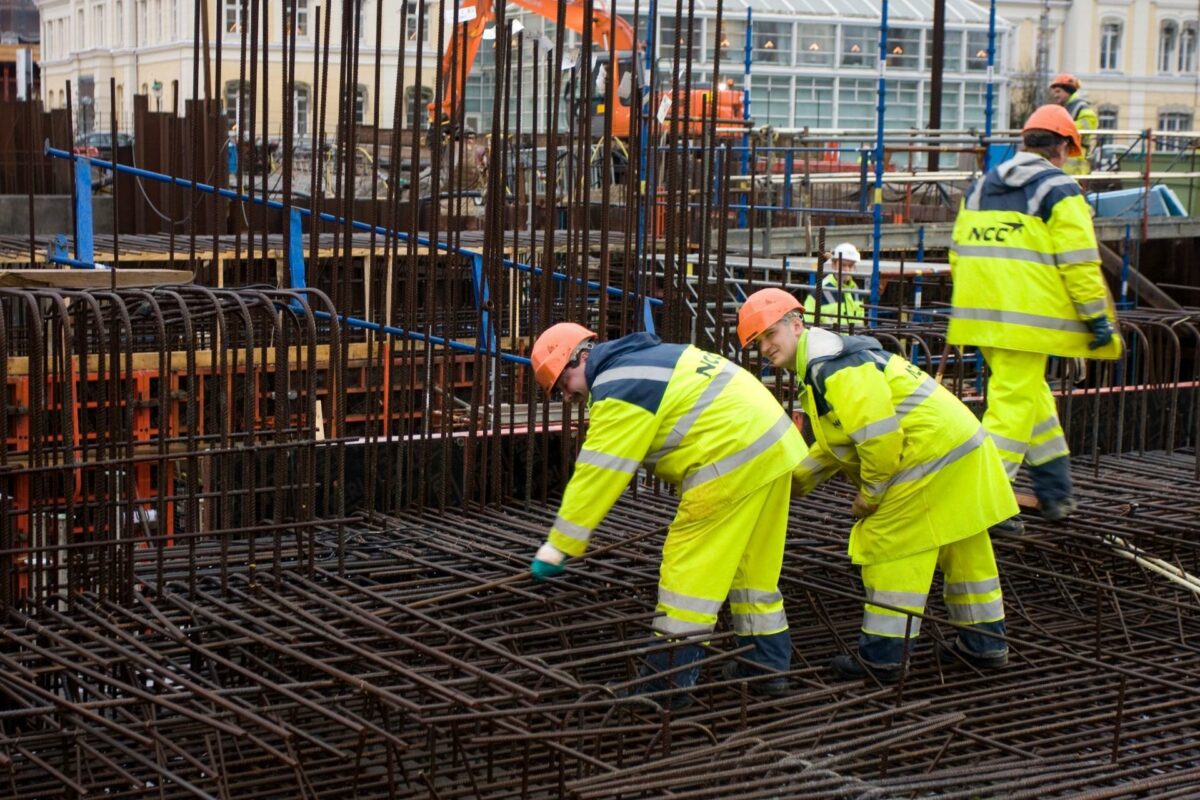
<point>156,87</point>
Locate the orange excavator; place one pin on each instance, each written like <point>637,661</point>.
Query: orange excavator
<point>476,15</point>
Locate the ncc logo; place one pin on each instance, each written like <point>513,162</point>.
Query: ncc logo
<point>996,233</point>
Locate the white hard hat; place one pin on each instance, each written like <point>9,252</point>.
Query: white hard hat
<point>848,253</point>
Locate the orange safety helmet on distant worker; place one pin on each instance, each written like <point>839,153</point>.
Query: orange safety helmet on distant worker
<point>1066,80</point>
<point>1056,119</point>
<point>762,310</point>
<point>554,349</point>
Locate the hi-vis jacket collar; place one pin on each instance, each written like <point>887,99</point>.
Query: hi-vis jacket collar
<point>1022,168</point>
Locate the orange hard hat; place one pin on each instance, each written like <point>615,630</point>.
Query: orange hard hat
<point>554,349</point>
<point>1056,119</point>
<point>1066,80</point>
<point>762,310</point>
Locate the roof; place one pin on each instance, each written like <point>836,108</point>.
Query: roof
<point>960,12</point>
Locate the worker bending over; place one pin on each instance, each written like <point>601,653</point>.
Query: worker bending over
<point>1027,285</point>
<point>930,484</point>
<point>711,429</point>
<point>839,293</point>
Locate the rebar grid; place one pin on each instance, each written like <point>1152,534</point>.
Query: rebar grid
<point>428,667</point>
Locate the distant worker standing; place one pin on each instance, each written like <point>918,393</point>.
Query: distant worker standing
<point>839,298</point>
<point>1064,91</point>
<point>930,484</point>
<point>713,430</point>
<point>1027,285</point>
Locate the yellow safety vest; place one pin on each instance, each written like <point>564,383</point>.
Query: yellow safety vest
<point>1025,264</point>
<point>697,420</point>
<point>1085,120</point>
<point>835,302</point>
<point>910,445</point>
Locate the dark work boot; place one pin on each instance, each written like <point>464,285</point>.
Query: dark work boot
<point>954,652</point>
<point>1052,485</point>
<point>1009,527</point>
<point>850,667</point>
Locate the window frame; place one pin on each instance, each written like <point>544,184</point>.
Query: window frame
<point>1110,45</point>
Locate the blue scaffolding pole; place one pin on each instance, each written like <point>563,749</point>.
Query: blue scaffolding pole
<point>877,215</point>
<point>991,71</point>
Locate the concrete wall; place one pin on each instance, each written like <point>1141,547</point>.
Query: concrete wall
<point>51,214</point>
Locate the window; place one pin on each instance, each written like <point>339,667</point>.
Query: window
<point>1107,116</point>
<point>901,108</point>
<point>814,102</point>
<point>98,22</point>
<point>119,23</point>
<point>670,29</point>
<point>363,16</point>
<point>1168,34</point>
<point>772,43</point>
<point>1187,48</point>
<point>235,16</point>
<point>236,102</point>
<point>951,105</point>
<point>975,105</point>
<point>856,103</point>
<point>412,31</point>
<point>952,52</point>
<point>860,46</point>
<point>731,39</point>
<point>360,104</point>
<point>416,99</point>
<point>301,110</point>
<point>904,48</point>
<point>141,24</point>
<point>771,99</point>
<point>977,47</point>
<point>1110,45</point>
<point>1173,121</point>
<point>816,44</point>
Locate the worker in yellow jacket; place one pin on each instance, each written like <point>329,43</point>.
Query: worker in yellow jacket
<point>711,429</point>
<point>1027,285</point>
<point>840,304</point>
<point>1064,91</point>
<point>930,484</point>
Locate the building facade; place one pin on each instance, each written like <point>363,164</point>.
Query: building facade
<point>1137,59</point>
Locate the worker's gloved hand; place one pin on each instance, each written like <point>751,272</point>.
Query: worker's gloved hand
<point>862,507</point>
<point>1102,332</point>
<point>548,563</point>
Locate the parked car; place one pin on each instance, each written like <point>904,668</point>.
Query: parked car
<point>98,144</point>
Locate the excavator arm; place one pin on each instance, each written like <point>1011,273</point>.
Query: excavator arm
<point>460,56</point>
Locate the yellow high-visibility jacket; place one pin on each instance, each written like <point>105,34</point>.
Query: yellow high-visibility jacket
<point>1025,264</point>
<point>910,445</point>
<point>1086,119</point>
<point>836,302</point>
<point>699,421</point>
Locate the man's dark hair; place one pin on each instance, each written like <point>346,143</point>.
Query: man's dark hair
<point>1044,143</point>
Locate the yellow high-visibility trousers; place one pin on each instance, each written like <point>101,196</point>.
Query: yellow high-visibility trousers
<point>971,591</point>
<point>1021,415</point>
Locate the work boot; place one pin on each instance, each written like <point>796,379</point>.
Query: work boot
<point>768,687</point>
<point>848,667</point>
<point>1058,510</point>
<point>954,652</point>
<point>1012,526</point>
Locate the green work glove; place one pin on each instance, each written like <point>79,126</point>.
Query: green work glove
<point>548,563</point>
<point>1102,332</point>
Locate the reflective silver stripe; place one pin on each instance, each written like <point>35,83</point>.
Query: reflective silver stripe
<point>678,627</point>
<point>571,530</point>
<point>754,596</point>
<point>1048,424</point>
<point>1076,256</point>
<point>683,602</point>
<point>843,451</point>
<point>685,423</point>
<point>1008,445</point>
<point>971,587</point>
<point>1035,202</point>
<point>616,463</point>
<point>1007,253</point>
<point>1048,450</point>
<point>873,429</point>
<point>1020,318</point>
<point>660,374</point>
<point>927,387</point>
<point>929,467</point>
<point>1011,468</point>
<point>743,456</point>
<point>1092,309</point>
<point>751,624</point>
<point>913,600</point>
<point>890,624</point>
<point>976,612</point>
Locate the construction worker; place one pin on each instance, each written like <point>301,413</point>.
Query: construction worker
<point>1027,285</point>
<point>839,298</point>
<point>1064,91</point>
<point>930,484</point>
<point>714,431</point>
